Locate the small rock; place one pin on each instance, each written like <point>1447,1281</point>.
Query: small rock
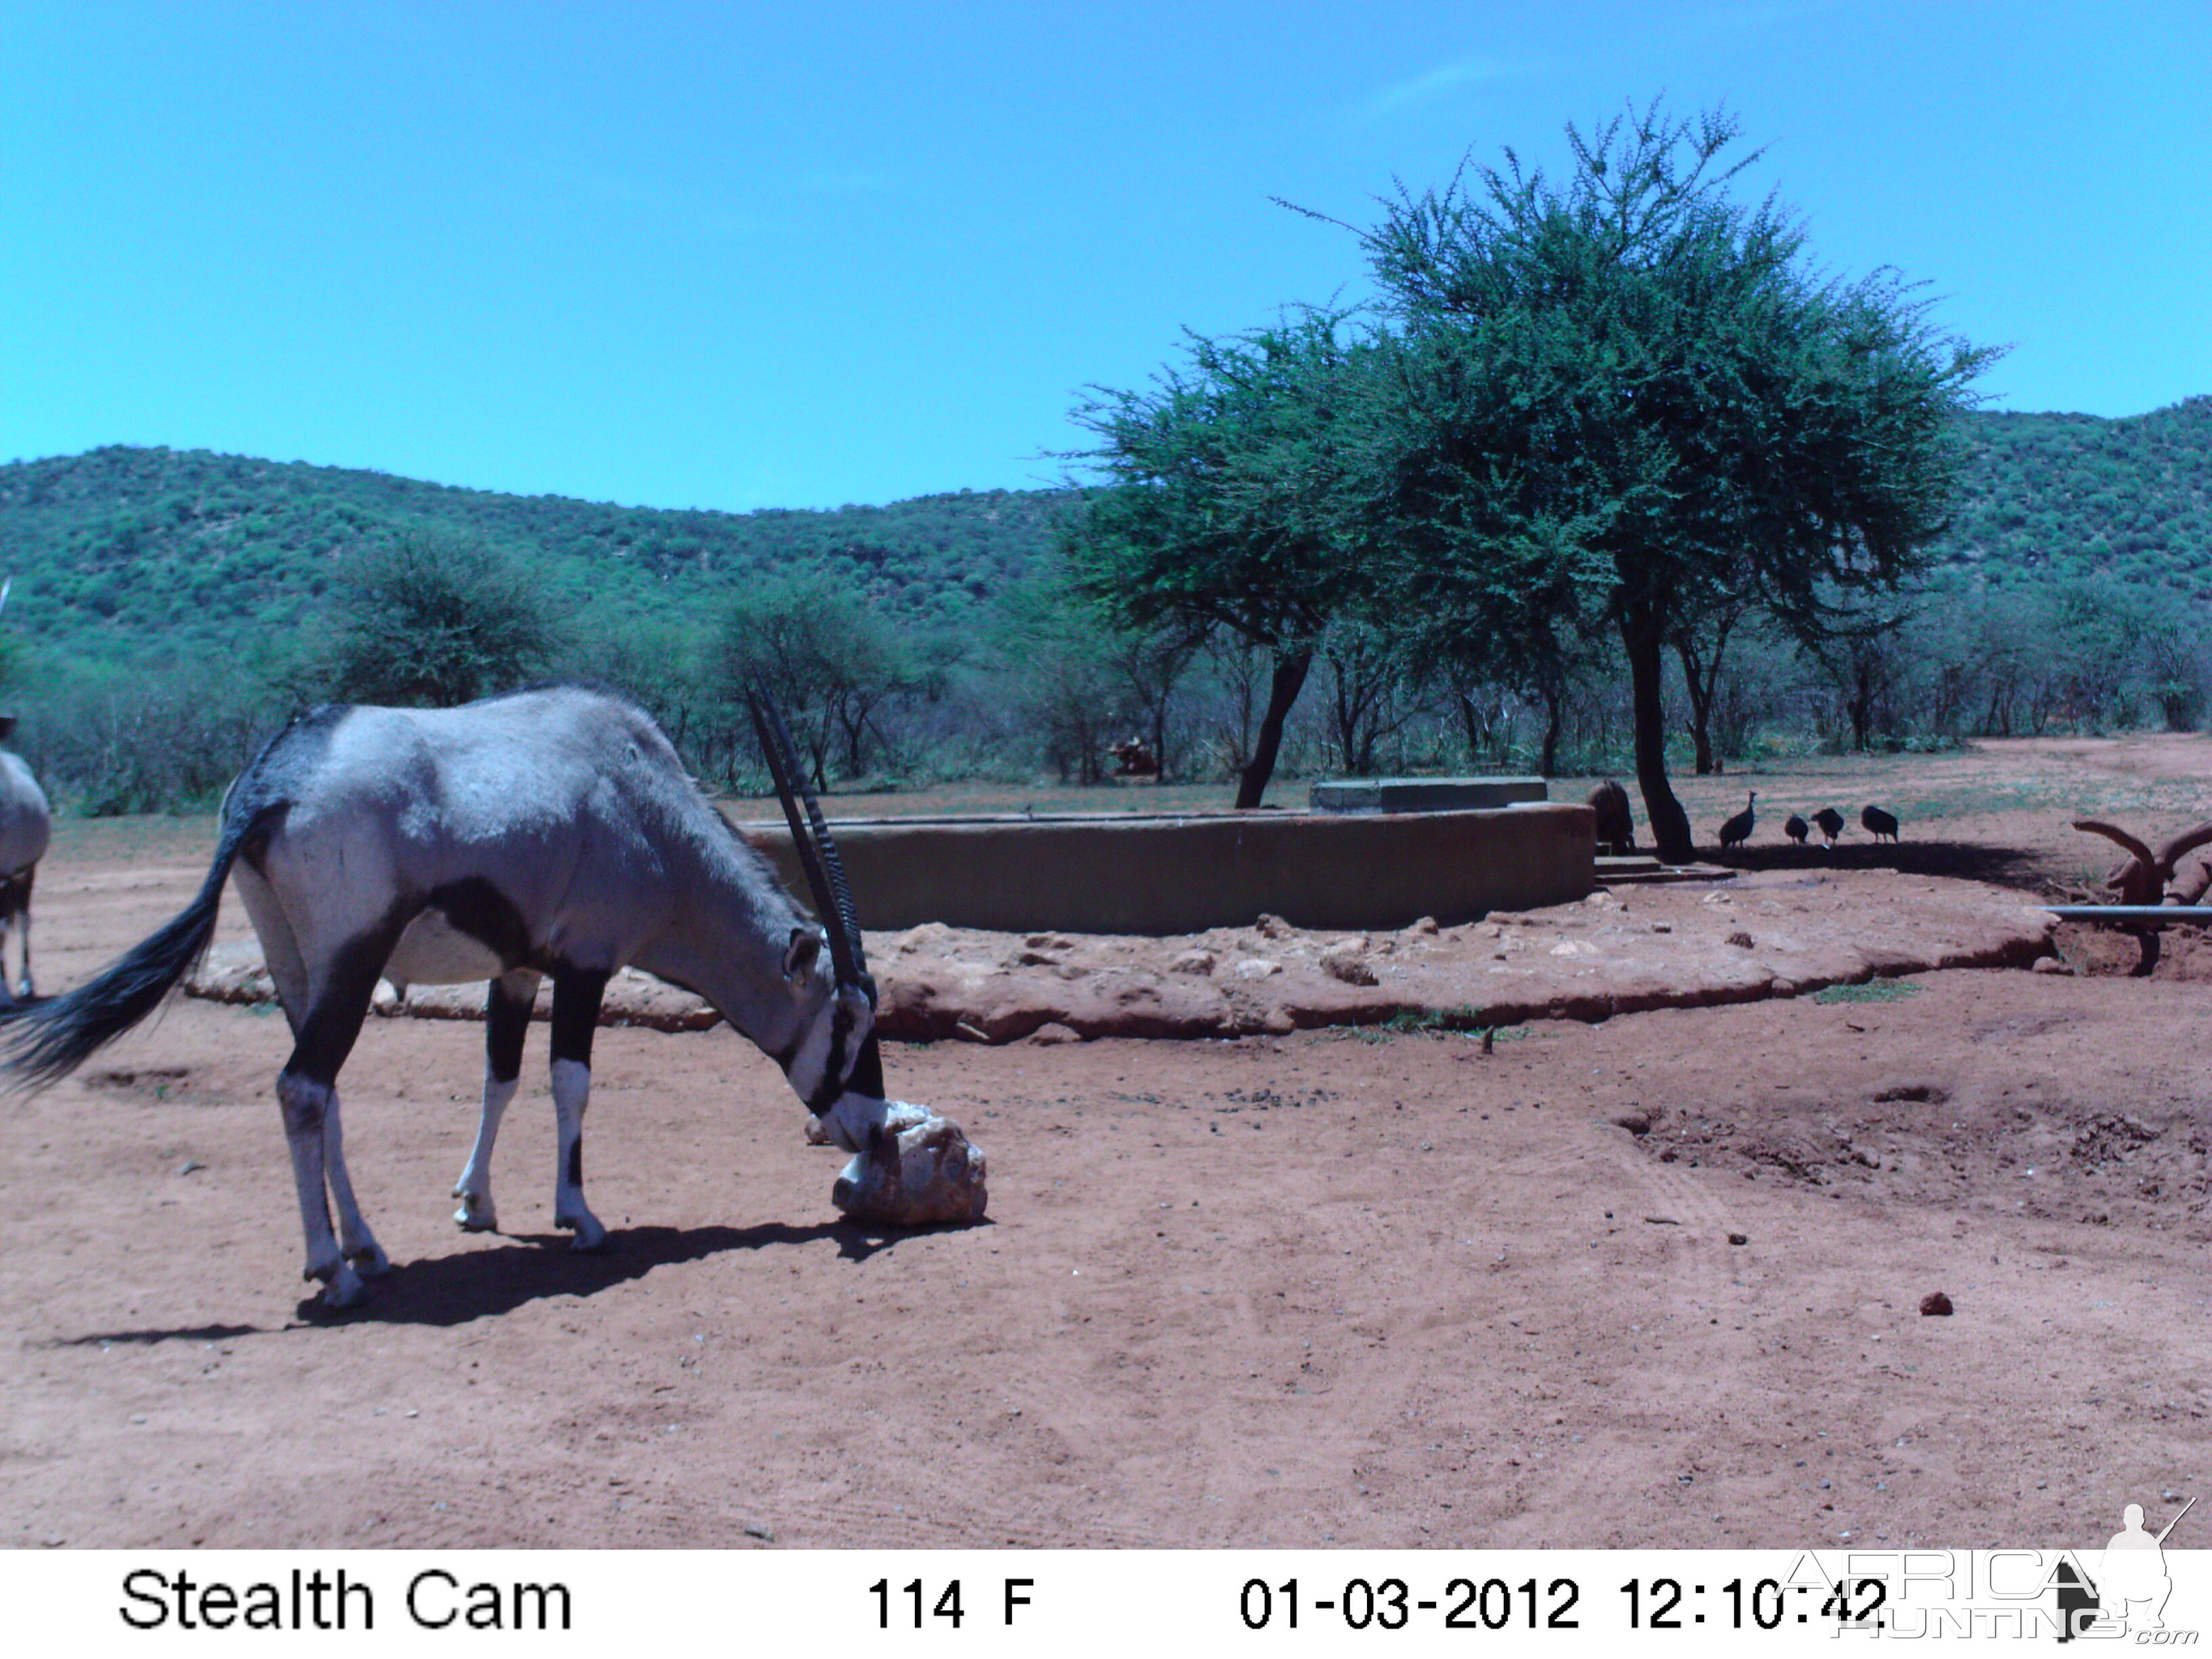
<point>1347,961</point>
<point>192,1165</point>
<point>1256,968</point>
<point>1052,1033</point>
<point>1036,958</point>
<point>1741,940</point>
<point>1739,1238</point>
<point>1270,926</point>
<point>1782,987</point>
<point>1662,927</point>
<point>1049,942</point>
<point>1935,1303</point>
<point>2049,965</point>
<point>1637,1123</point>
<point>1425,927</point>
<point>761,1533</point>
<point>1199,963</point>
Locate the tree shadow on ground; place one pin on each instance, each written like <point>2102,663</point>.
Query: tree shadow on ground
<point>2004,867</point>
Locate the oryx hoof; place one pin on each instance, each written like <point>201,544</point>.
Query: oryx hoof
<point>475,1214</point>
<point>590,1235</point>
<point>370,1261</point>
<point>342,1289</point>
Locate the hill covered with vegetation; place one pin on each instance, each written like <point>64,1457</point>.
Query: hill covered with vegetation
<point>128,555</point>
<point>169,609</point>
<point>2060,497</point>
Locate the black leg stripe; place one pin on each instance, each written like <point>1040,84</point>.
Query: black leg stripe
<point>577,993</point>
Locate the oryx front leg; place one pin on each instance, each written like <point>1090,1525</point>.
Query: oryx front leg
<point>507,1020</point>
<point>576,995</point>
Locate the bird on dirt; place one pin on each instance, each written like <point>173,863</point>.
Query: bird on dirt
<point>1737,830</point>
<point>1796,828</point>
<point>1878,823</point>
<point>1830,822</point>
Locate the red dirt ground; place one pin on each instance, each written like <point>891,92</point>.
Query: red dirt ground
<point>1333,1287</point>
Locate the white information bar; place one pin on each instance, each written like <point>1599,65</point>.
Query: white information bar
<point>1004,1601</point>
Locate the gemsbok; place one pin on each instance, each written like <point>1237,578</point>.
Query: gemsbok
<point>27,824</point>
<point>552,831</point>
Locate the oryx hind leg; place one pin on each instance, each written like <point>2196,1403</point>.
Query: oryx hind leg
<point>307,1090</point>
<point>25,990</point>
<point>507,1021</point>
<point>577,993</point>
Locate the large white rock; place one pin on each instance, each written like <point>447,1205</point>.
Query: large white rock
<point>924,1175</point>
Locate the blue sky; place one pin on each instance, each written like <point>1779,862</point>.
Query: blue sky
<point>739,255</point>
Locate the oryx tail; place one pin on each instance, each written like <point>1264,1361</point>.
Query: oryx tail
<point>44,1041</point>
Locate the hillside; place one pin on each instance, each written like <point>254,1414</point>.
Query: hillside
<point>125,554</point>
<point>128,555</point>
<point>2055,496</point>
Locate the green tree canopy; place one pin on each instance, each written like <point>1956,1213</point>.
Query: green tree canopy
<point>1626,402</point>
<point>1233,505</point>
<point>830,659</point>
<point>438,622</point>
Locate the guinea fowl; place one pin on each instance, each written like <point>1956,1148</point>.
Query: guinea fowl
<point>1796,828</point>
<point>1830,822</point>
<point>1737,830</point>
<point>1878,823</point>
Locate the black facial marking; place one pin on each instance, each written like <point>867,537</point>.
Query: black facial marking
<point>507,1021</point>
<point>867,1077</point>
<point>479,909</point>
<point>832,1073</point>
<point>577,993</point>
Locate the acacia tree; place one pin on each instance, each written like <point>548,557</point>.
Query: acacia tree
<point>1629,395</point>
<point>1230,508</point>
<point>430,620</point>
<point>830,659</point>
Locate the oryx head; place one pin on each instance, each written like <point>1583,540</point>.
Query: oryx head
<point>835,1056</point>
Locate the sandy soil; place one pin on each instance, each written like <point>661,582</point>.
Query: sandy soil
<point>1655,1280</point>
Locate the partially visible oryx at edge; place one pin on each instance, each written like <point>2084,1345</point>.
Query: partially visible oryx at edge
<point>27,824</point>
<point>552,831</point>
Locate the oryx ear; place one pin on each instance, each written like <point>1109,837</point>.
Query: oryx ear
<point>802,954</point>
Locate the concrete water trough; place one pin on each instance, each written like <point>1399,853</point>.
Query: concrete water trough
<point>1131,873</point>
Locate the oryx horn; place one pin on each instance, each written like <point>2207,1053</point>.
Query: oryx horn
<point>818,853</point>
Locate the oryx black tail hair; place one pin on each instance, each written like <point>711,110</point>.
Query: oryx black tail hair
<point>44,1041</point>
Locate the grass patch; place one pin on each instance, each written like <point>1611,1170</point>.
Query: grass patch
<point>1874,990</point>
<point>1411,1022</point>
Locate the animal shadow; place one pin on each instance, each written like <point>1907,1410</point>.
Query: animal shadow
<point>470,1284</point>
<point>2003,867</point>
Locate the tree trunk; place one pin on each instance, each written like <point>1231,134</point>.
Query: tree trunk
<point>1670,825</point>
<point>1701,707</point>
<point>1555,714</point>
<point>1289,678</point>
<point>1473,727</point>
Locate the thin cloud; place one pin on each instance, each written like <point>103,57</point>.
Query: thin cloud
<point>1439,83</point>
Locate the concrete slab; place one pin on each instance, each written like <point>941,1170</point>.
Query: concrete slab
<point>1424,795</point>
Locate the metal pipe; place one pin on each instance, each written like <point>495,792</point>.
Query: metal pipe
<point>2199,913</point>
